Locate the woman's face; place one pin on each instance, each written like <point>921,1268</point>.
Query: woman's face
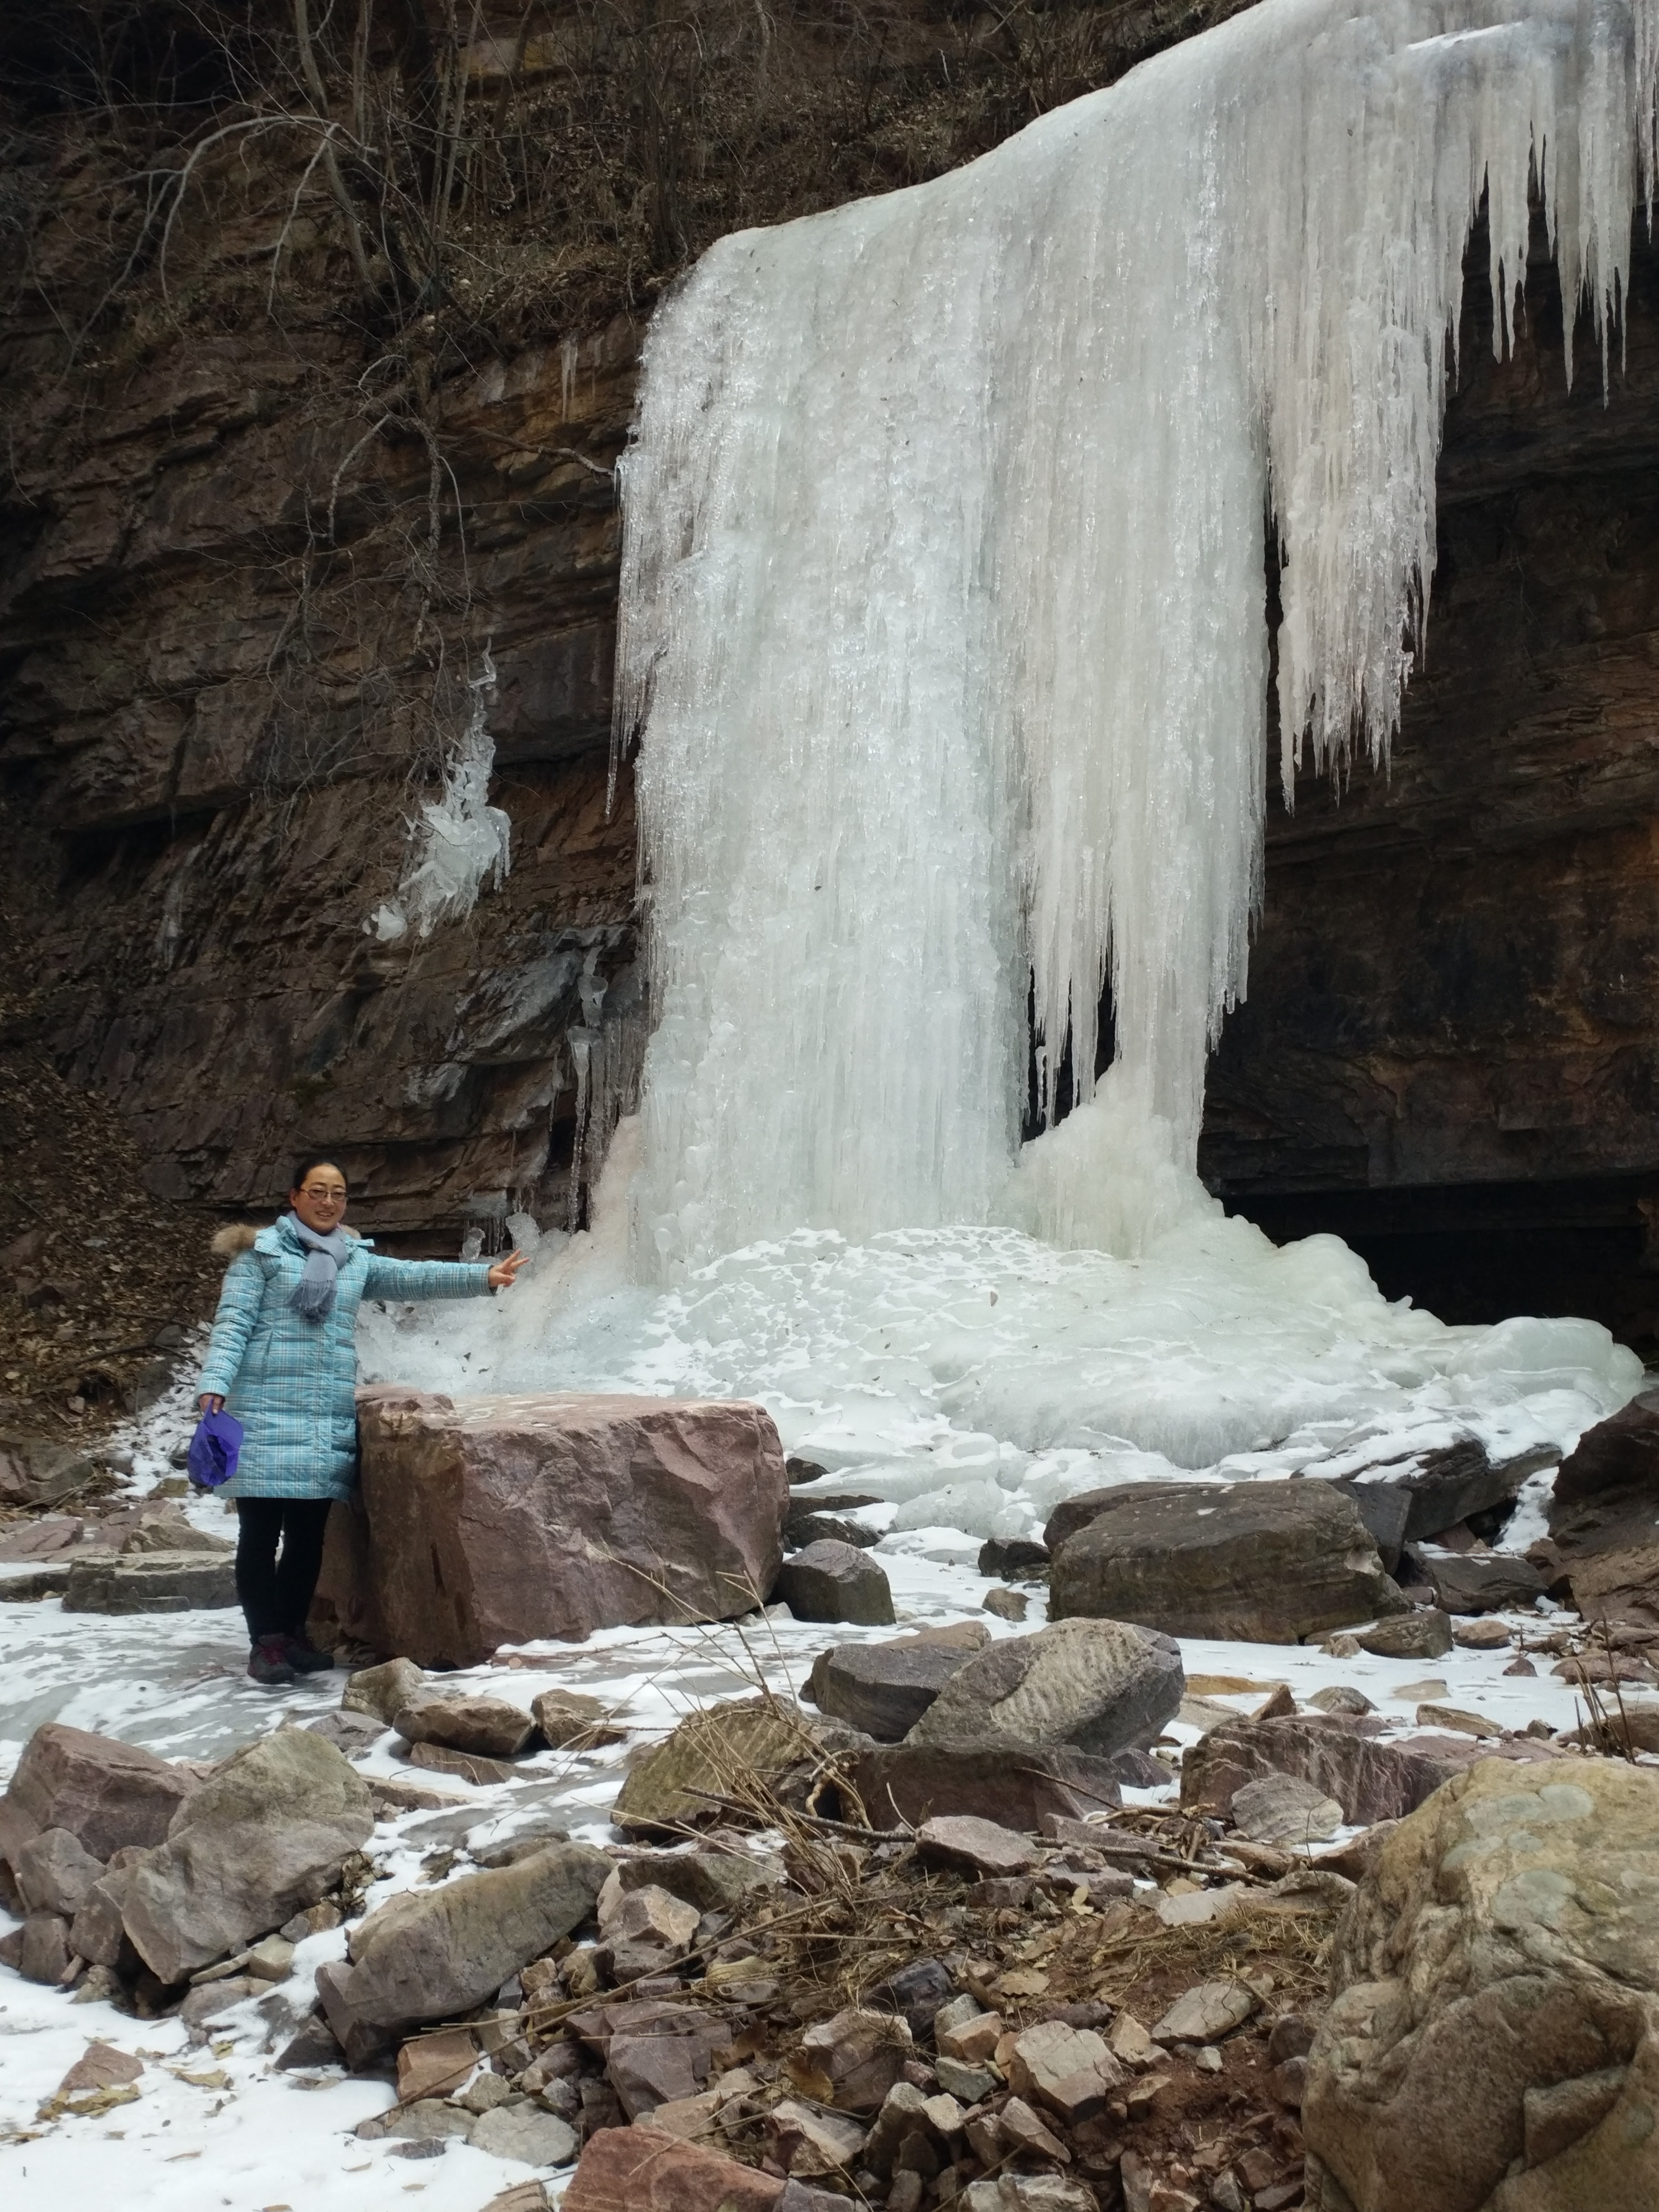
<point>321,1201</point>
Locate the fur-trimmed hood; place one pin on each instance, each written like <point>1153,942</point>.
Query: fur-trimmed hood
<point>241,1237</point>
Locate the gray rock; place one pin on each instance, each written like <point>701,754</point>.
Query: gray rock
<point>828,1580</point>
<point>429,2120</point>
<point>350,1732</point>
<point>1446,1486</point>
<point>1094,1686</point>
<point>166,1528</point>
<point>886,1688</point>
<point>960,1839</point>
<point>267,1834</point>
<point>155,1581</point>
<point>430,1954</point>
<point>1424,1633</point>
<point>712,1880</point>
<point>523,2133</point>
<point>1206,2014</point>
<point>570,1721</point>
<point>53,1873</point>
<point>1257,1562</point>
<point>1385,1507</point>
<point>382,1690</point>
<point>37,1471</point>
<point>1006,1604</point>
<point>1030,2192</point>
<point>1480,1582</point>
<point>98,1931</point>
<point>678,1783</point>
<point>1340,1756</point>
<point>1281,1809</point>
<point>967,2084</point>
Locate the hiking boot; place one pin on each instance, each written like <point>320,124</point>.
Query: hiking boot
<point>268,1662</point>
<point>305,1658</point>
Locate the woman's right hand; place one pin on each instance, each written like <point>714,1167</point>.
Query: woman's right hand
<point>209,1402</point>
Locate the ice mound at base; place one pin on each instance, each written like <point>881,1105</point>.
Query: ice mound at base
<point>976,1377</point>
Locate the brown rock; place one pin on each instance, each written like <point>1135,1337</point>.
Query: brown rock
<point>54,1874</point>
<point>466,1721</point>
<point>1480,1635</point>
<point>1264,1562</point>
<point>435,2065</point>
<point>45,1952</point>
<point>106,1793</point>
<point>465,1765</point>
<point>1424,1633</point>
<point>641,2169</point>
<point>811,2142</point>
<point>912,1782</point>
<point>1069,2069</point>
<point>39,1471</point>
<point>553,1516</point>
<point>570,1721</point>
<point>98,1932</point>
<point>101,2066</point>
<point>1095,1687</point>
<point>852,2060</point>
<point>1480,1582</point>
<point>1370,1780</point>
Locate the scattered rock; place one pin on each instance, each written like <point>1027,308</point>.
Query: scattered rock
<point>435,2065</point>
<point>429,1954</point>
<point>350,1733</point>
<point>1521,1666</point>
<point>1480,1582</point>
<point>523,2132</point>
<point>570,1721</point>
<point>641,2169</point>
<point>644,1929</point>
<point>1020,2128</point>
<point>1092,1686</point>
<point>1069,2069</point>
<point>53,1873</point>
<point>960,1840</point>
<point>155,1582</point>
<point>391,1796</point>
<point>809,2141</point>
<point>267,1834</point>
<point>382,1691</point>
<point>1338,1698</point>
<point>1006,1604</point>
<point>671,1787</point>
<point>1261,1562</point>
<point>44,1954</point>
<point>1513,2063</point>
<point>553,1517</point>
<point>1028,2193</point>
<point>39,1539</point>
<point>918,1991</point>
<point>107,1794</point>
<point>168,1528</point>
<point>1013,1558</point>
<point>467,1721</point>
<point>968,2084</point>
<point>1480,1635</point>
<point>1370,1780</point>
<point>884,1689</point>
<point>465,1765</point>
<point>1280,1809</point>
<point>36,1471</point>
<point>910,1783</point>
<point>1456,1718</point>
<point>852,2060</point>
<point>964,2029</point>
<point>431,2120</point>
<point>101,2066</point>
<point>1206,2014</point>
<point>1424,1633</point>
<point>830,1580</point>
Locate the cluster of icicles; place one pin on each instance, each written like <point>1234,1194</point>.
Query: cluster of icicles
<point>943,624</point>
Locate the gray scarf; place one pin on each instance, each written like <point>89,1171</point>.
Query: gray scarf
<point>324,1257</point>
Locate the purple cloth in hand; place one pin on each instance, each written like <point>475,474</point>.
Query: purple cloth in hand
<point>214,1450</point>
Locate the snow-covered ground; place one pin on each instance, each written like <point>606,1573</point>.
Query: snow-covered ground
<point>239,2134</point>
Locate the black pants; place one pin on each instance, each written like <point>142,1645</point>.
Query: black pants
<point>276,1593</point>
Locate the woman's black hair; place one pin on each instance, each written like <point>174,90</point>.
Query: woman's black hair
<point>305,1164</point>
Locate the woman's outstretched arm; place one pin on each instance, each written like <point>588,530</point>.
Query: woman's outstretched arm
<point>426,1279</point>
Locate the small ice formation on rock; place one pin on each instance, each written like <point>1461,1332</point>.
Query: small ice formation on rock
<point>461,841</point>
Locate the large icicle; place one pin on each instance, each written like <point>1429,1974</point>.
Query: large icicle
<point>943,602</point>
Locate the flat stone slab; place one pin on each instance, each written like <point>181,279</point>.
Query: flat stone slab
<point>884,1689</point>
<point>506,1519</point>
<point>152,1582</point>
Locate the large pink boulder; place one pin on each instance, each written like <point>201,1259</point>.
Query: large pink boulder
<point>107,1794</point>
<point>491,1520</point>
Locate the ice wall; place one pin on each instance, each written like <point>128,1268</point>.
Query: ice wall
<point>943,612</point>
<point>460,840</point>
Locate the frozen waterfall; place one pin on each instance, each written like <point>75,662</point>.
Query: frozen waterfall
<point>943,595</point>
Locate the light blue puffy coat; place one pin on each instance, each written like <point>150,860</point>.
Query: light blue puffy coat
<point>292,1383</point>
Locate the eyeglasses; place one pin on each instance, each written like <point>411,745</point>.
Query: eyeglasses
<point>324,1197</point>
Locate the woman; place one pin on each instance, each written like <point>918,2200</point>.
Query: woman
<point>283,1358</point>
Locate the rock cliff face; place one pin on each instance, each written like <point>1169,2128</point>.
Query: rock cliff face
<point>240,598</point>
